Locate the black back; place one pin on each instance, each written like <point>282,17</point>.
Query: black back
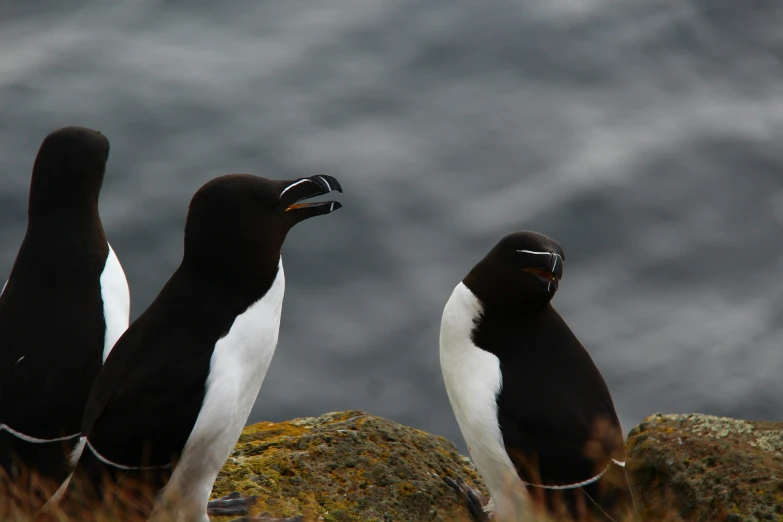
<point>51,312</point>
<point>555,412</point>
<point>552,397</point>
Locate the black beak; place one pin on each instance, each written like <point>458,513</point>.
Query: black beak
<point>546,266</point>
<point>306,188</point>
<point>556,266</point>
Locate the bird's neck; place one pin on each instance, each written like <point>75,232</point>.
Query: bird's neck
<point>238,278</point>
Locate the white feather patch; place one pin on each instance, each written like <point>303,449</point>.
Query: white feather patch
<point>116,301</point>
<point>76,454</point>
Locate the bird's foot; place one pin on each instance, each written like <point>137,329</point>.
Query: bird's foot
<point>235,504</point>
<point>264,517</point>
<point>232,504</point>
<point>471,497</point>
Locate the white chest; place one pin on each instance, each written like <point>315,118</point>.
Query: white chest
<point>473,381</point>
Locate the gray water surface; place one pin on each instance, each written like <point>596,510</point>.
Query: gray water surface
<point>643,136</point>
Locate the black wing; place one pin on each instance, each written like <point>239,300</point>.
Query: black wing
<point>147,398</point>
<point>556,415</point>
<point>51,336</point>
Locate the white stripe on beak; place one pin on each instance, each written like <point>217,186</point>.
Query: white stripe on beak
<point>292,185</point>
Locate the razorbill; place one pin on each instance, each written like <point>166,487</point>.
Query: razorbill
<point>534,410</point>
<point>171,401</point>
<point>64,305</point>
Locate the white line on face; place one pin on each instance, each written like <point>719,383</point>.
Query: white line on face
<point>557,256</point>
<point>537,253</point>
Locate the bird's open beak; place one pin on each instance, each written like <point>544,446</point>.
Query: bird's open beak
<point>547,267</point>
<point>306,188</point>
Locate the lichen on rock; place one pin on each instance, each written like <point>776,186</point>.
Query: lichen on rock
<point>347,466</point>
<point>706,468</point>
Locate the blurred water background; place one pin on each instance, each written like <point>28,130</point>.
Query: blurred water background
<point>644,136</point>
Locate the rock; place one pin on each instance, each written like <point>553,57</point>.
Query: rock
<point>351,466</point>
<point>704,468</point>
<point>347,466</point>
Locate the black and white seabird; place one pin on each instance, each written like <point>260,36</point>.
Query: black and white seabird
<point>63,307</point>
<point>533,408</point>
<point>171,401</point>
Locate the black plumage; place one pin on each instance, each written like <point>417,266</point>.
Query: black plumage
<point>554,410</point>
<point>52,327</point>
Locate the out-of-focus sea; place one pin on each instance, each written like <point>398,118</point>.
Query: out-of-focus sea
<point>644,136</point>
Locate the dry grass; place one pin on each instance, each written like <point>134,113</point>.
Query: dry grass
<point>21,501</point>
<point>23,498</point>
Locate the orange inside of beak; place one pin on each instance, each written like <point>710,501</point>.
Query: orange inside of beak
<point>302,205</point>
<point>542,273</point>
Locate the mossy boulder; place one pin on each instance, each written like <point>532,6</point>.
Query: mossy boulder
<point>704,468</point>
<point>347,466</point>
<point>353,466</point>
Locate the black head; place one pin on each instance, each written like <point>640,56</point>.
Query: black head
<point>237,223</point>
<point>68,172</point>
<point>522,272</point>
